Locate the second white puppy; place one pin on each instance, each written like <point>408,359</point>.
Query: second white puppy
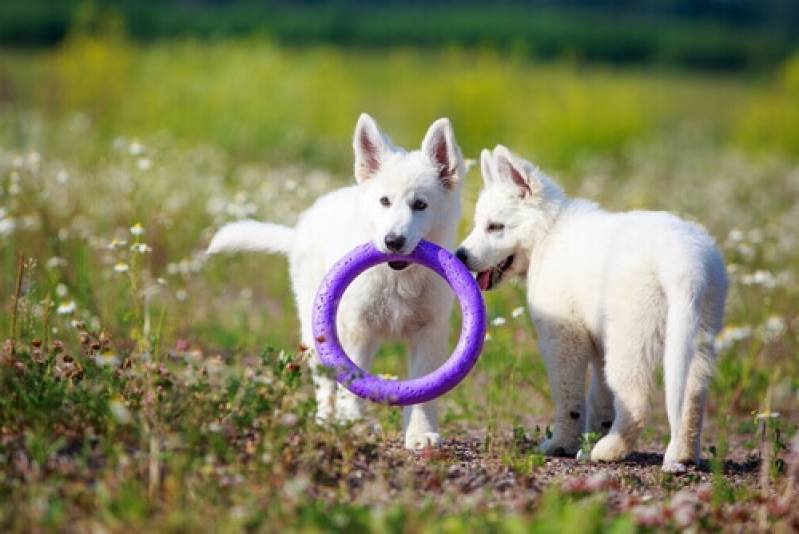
<point>621,291</point>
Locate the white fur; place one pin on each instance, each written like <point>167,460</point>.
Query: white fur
<point>619,291</point>
<point>412,305</point>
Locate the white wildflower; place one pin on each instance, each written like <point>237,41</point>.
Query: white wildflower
<point>55,262</point>
<point>388,376</point>
<point>137,229</point>
<point>66,308</point>
<point>144,164</point>
<point>117,243</point>
<point>108,359</point>
<point>736,235</point>
<point>136,148</point>
<point>121,267</point>
<point>759,278</point>
<point>773,327</point>
<point>7,226</point>
<point>61,290</point>
<point>120,412</point>
<point>517,312</point>
<point>141,248</point>
<point>731,335</point>
<point>499,321</point>
<point>765,415</point>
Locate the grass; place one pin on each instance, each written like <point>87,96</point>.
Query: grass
<point>145,387</point>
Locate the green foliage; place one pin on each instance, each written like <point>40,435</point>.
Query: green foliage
<point>668,33</point>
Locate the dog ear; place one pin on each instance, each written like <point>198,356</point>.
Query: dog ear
<point>486,167</point>
<point>370,146</point>
<point>440,146</point>
<point>517,172</point>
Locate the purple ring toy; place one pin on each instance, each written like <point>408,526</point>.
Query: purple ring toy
<point>399,392</point>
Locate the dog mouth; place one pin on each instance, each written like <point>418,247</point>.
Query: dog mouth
<point>398,265</point>
<point>491,277</point>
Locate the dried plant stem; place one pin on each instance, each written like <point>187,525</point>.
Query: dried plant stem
<point>154,466</point>
<point>17,294</point>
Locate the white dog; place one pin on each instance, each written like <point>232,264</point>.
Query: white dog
<point>401,197</point>
<point>621,291</point>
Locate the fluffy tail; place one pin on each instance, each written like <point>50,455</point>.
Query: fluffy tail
<point>252,235</point>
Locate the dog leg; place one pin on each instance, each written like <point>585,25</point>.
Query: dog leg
<point>684,446</point>
<point>361,349</point>
<point>566,349</point>
<point>600,399</point>
<point>428,350</point>
<point>629,377</point>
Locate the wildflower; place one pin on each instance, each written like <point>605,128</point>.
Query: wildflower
<point>144,164</point>
<point>773,327</point>
<point>66,308</point>
<point>7,226</point>
<point>107,359</point>
<point>736,235</point>
<point>760,277</point>
<point>136,148</point>
<point>67,367</point>
<point>117,243</point>
<point>388,376</point>
<point>289,419</point>
<point>765,415</point>
<point>56,261</point>
<point>517,312</point>
<point>119,411</point>
<point>61,290</point>
<point>121,267</point>
<point>731,335</point>
<point>141,248</point>
<point>499,321</point>
<point>137,229</point>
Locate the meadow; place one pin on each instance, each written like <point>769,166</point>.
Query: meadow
<point>148,387</point>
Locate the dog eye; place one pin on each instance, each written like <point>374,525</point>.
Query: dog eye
<point>385,201</point>
<point>495,227</point>
<point>419,205</point>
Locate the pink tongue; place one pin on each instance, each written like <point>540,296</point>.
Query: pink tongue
<point>484,279</point>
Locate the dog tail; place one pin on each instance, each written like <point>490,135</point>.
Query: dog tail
<point>253,236</point>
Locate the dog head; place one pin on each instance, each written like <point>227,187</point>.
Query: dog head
<point>409,196</point>
<point>514,210</point>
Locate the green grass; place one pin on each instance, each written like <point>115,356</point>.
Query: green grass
<point>172,412</point>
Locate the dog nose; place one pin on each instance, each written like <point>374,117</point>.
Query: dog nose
<point>395,242</point>
<point>461,254</point>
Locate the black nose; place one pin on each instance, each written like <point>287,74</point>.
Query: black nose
<point>395,242</point>
<point>461,254</point>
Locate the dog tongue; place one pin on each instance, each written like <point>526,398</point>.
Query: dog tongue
<point>484,279</point>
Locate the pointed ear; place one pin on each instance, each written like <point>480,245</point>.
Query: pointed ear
<point>370,146</point>
<point>440,146</point>
<point>516,172</point>
<point>486,167</point>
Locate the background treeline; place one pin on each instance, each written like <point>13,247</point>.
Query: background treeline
<point>708,34</point>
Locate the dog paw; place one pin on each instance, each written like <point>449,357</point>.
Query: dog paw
<point>677,458</point>
<point>556,447</point>
<point>611,448</point>
<point>674,467</point>
<point>417,441</point>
